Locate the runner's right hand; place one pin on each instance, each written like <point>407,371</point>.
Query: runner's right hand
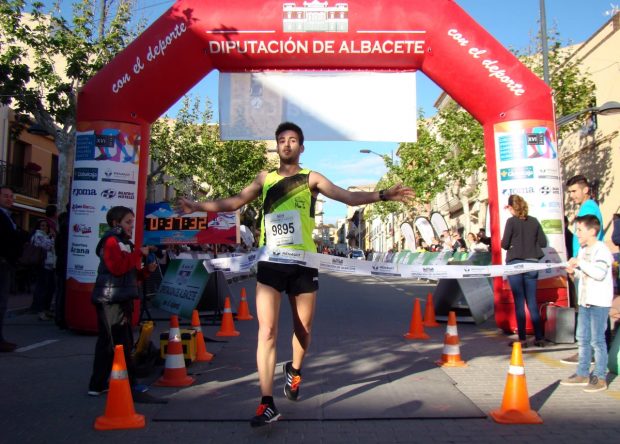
<point>185,205</point>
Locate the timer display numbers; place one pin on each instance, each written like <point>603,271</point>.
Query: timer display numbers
<point>176,223</point>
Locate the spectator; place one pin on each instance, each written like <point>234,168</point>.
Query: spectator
<point>116,287</point>
<point>579,193</point>
<point>458,244</point>
<point>523,241</point>
<point>615,234</point>
<point>615,238</point>
<point>446,241</point>
<point>568,239</point>
<point>483,238</point>
<point>61,246</point>
<point>421,246</point>
<point>435,245</point>
<point>45,284</point>
<point>51,216</point>
<point>475,245</point>
<point>10,250</point>
<point>595,293</point>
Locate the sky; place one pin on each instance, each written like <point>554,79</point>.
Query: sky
<point>512,23</point>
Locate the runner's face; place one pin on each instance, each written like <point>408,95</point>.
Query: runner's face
<point>127,224</point>
<point>289,148</point>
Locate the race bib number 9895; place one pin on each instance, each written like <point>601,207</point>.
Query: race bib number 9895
<point>283,229</point>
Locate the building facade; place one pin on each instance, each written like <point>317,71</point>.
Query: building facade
<point>29,165</point>
<point>594,149</point>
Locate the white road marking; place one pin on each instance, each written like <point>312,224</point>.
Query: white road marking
<point>36,345</point>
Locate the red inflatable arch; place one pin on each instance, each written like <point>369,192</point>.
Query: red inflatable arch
<point>437,37</point>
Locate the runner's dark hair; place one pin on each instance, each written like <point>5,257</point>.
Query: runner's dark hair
<point>290,126</point>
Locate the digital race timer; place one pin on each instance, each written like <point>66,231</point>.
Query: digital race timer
<point>176,223</point>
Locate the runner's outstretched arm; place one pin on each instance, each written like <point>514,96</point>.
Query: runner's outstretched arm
<point>247,195</point>
<point>397,193</point>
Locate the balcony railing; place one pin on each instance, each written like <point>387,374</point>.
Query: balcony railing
<point>21,180</point>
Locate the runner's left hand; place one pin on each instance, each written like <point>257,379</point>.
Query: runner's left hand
<point>400,193</point>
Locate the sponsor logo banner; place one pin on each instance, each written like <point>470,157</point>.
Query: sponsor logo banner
<point>91,174</point>
<point>524,172</point>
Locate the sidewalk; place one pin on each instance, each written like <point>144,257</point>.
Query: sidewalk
<point>18,303</point>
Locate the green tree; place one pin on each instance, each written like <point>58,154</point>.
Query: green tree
<point>180,147</point>
<point>423,167</point>
<point>573,90</point>
<point>463,135</point>
<point>189,156</point>
<point>35,43</point>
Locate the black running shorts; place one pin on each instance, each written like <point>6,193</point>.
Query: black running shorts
<point>291,278</point>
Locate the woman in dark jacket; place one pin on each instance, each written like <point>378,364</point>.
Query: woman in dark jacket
<point>524,240</point>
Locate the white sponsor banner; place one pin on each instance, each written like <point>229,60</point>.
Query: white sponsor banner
<point>364,106</point>
<point>425,228</point>
<point>325,262</point>
<point>407,231</point>
<point>439,223</point>
<point>105,174</point>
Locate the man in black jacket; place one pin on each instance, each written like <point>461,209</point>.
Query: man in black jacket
<point>10,249</point>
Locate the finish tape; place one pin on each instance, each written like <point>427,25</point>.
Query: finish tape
<point>324,262</point>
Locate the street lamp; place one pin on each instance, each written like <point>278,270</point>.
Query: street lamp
<point>366,151</point>
<point>606,109</point>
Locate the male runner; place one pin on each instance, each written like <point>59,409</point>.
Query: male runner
<point>289,195</point>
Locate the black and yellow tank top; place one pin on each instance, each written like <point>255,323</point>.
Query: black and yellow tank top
<point>288,212</point>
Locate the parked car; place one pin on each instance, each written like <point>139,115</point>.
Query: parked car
<point>357,254</point>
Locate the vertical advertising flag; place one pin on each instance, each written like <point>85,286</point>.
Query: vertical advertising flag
<point>527,164</point>
<point>105,174</point>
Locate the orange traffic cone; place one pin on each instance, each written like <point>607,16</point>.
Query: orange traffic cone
<point>243,311</point>
<point>119,410</point>
<point>202,355</point>
<point>515,407</point>
<point>175,374</point>
<point>451,355</point>
<point>429,312</point>
<point>228,325</point>
<point>416,329</point>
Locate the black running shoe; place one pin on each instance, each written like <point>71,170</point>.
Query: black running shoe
<point>291,385</point>
<point>265,414</point>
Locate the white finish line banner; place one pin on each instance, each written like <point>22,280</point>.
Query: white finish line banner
<point>323,262</point>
